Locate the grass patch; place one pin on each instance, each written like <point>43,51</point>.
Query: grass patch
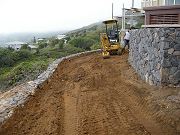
<point>22,72</point>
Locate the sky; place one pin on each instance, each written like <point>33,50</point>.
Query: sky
<point>56,15</point>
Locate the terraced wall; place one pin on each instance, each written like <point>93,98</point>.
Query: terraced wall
<point>155,55</point>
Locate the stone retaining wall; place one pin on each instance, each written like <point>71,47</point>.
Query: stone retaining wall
<point>155,55</point>
<point>19,94</point>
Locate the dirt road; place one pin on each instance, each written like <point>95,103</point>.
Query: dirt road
<point>93,96</point>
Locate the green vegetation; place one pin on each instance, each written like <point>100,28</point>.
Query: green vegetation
<point>86,38</point>
<point>26,64</point>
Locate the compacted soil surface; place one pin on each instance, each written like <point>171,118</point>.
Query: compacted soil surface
<point>90,95</point>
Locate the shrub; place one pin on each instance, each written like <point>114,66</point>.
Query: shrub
<point>82,42</point>
<point>25,46</point>
<point>42,45</point>
<point>72,50</point>
<point>7,57</point>
<point>24,54</point>
<point>61,44</point>
<point>95,46</point>
<point>53,42</point>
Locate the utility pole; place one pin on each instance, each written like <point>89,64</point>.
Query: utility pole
<point>123,18</point>
<point>123,25</point>
<point>132,13</point>
<point>112,11</point>
<point>132,3</point>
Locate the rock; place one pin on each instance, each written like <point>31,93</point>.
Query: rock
<point>166,55</point>
<point>173,70</point>
<point>158,66</point>
<point>165,71</point>
<point>177,75</point>
<point>154,50</point>
<point>171,50</point>
<point>172,80</point>
<point>174,62</point>
<point>157,75</point>
<point>177,47</point>
<point>172,44</point>
<point>166,63</point>
<point>176,53</point>
<point>166,45</point>
<point>178,33</point>
<point>147,77</point>
<point>174,98</point>
<point>151,80</point>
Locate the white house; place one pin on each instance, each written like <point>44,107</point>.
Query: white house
<point>32,47</point>
<point>61,36</point>
<point>16,45</point>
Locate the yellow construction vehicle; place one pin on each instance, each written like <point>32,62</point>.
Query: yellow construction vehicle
<point>110,40</point>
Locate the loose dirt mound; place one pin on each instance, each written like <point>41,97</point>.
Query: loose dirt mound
<point>95,96</point>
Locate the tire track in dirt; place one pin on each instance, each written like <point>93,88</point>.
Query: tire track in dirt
<point>89,95</point>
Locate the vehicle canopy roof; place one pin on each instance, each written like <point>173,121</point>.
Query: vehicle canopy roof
<point>110,21</point>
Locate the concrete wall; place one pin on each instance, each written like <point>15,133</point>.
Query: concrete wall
<point>155,55</point>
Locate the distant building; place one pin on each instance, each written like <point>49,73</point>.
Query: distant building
<point>32,47</point>
<point>132,17</point>
<point>61,36</point>
<point>161,12</point>
<point>16,45</point>
<point>151,3</point>
<point>40,40</point>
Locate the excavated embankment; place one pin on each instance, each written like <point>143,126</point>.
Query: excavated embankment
<point>96,96</point>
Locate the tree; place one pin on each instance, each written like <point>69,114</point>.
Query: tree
<point>7,57</point>
<point>25,46</point>
<point>95,46</point>
<point>61,44</point>
<point>71,49</point>
<point>42,45</point>
<point>67,38</point>
<point>24,54</point>
<point>82,42</point>
<point>53,42</point>
<point>10,48</point>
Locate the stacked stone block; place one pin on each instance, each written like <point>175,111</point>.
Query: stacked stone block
<point>155,55</point>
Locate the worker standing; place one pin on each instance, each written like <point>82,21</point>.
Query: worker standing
<point>126,39</point>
